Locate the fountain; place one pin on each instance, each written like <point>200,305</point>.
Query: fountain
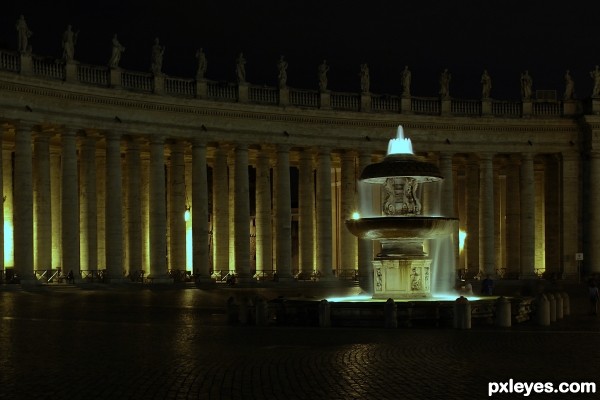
<point>402,270</point>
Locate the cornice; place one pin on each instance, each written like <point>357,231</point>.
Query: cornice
<point>287,115</point>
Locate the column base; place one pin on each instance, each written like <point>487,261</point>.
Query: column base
<point>30,282</point>
<point>160,280</point>
<point>204,281</point>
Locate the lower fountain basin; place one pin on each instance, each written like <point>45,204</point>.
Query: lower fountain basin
<point>415,228</point>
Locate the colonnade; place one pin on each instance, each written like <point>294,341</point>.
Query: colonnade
<point>86,201</point>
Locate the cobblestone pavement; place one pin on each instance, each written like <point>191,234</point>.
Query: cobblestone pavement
<point>175,344</point>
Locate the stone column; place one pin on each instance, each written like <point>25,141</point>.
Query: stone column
<point>241,214</point>
<point>231,199</point>
<point>113,210</point>
<point>283,214</point>
<point>447,193</point>
<point>324,219</point>
<point>158,210</point>
<point>69,205</point>
<point>472,216</point>
<point>220,212</point>
<point>42,202</point>
<point>569,214</point>
<point>23,205</point>
<point>306,209</point>
<point>177,207</point>
<point>513,215</point>
<point>55,206</point>
<point>527,216</point>
<point>2,195</point>
<point>134,206</point>
<point>365,246</point>
<point>145,209</point>
<point>552,206</point>
<point>592,260</point>
<point>486,214</point>
<point>199,211</point>
<point>264,236</point>
<point>89,207</point>
<point>348,242</point>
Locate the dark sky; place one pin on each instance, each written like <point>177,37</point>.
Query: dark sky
<point>506,37</point>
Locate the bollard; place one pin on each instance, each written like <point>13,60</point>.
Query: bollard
<point>566,304</point>
<point>324,314</point>
<point>262,311</point>
<point>559,306</point>
<point>552,304</point>
<point>462,313</point>
<point>232,311</point>
<point>503,312</point>
<point>542,310</point>
<point>246,311</point>
<point>390,311</point>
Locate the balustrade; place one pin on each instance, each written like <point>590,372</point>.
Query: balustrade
<point>265,95</point>
<point>93,75</point>
<point>506,108</point>
<point>180,87</point>
<point>550,108</point>
<point>466,107</point>
<point>137,81</point>
<point>385,103</point>
<point>10,61</point>
<point>425,105</point>
<point>49,68</point>
<point>222,91</point>
<point>345,101</point>
<point>304,98</point>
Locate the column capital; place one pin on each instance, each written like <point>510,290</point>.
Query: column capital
<point>486,156</point>
<point>527,156</point>
<point>113,135</point>
<point>198,142</point>
<point>446,155</point>
<point>156,139</point>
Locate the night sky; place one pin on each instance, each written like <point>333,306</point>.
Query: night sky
<point>506,37</point>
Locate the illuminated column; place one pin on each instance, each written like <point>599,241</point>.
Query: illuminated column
<point>513,214</point>
<point>220,213</point>
<point>472,215</point>
<point>157,211</point>
<point>23,205</point>
<point>231,200</point>
<point>199,212</point>
<point>593,257</point>
<point>69,204</point>
<point>241,213</point>
<point>264,236</point>
<point>447,192</point>
<point>324,219</point>
<point>3,195</point>
<point>570,211</point>
<point>486,214</point>
<point>55,206</point>
<point>134,206</point>
<point>348,241</point>
<point>177,207</point>
<point>145,210</point>
<point>114,213</point>
<point>527,216</point>
<point>42,202</point>
<point>89,205</point>
<point>101,206</point>
<point>306,209</point>
<point>283,213</point>
<point>365,246</point>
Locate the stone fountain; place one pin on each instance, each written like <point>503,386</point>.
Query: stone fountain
<point>402,269</point>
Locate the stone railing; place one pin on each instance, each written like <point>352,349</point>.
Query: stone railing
<point>49,68</point>
<point>140,81</point>
<point>45,67</point>
<point>93,75</point>
<point>10,61</point>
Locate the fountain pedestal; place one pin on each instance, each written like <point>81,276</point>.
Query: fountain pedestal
<point>402,278</point>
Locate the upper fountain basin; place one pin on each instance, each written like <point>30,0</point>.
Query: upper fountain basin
<point>418,227</point>
<point>401,165</point>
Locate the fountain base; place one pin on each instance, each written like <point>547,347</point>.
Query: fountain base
<point>402,278</point>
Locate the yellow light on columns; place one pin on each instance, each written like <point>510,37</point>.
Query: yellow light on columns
<point>186,214</point>
<point>188,240</point>
<point>462,235</point>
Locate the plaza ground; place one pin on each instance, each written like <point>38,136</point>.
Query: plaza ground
<point>134,342</point>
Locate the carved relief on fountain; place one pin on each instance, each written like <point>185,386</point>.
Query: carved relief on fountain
<point>400,197</point>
